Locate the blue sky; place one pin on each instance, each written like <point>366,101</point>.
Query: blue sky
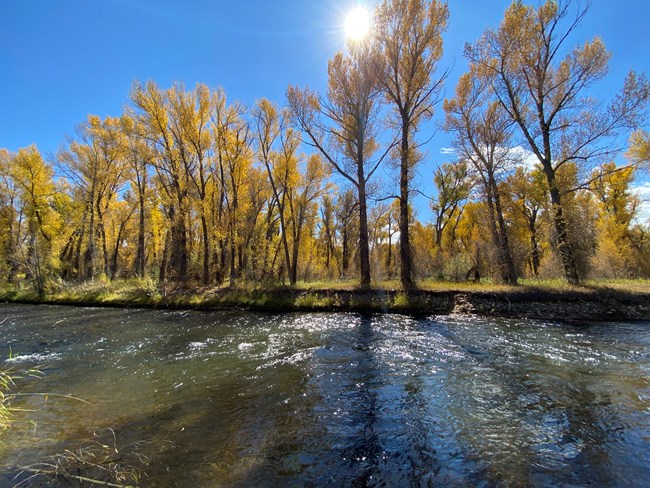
<point>64,59</point>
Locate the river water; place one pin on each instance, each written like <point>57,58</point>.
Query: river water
<point>202,399</point>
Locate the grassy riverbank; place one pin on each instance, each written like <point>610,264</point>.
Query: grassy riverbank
<point>602,300</point>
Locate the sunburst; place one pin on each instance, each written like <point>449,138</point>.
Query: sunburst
<point>357,23</point>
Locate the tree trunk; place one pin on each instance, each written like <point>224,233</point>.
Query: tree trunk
<point>364,248</point>
<point>206,250</point>
<point>389,254</point>
<point>438,230</point>
<point>563,244</point>
<point>534,249</point>
<point>163,260</point>
<point>285,242</point>
<point>327,252</point>
<point>66,256</point>
<point>76,262</point>
<point>90,250</point>
<point>9,250</point>
<point>345,259</point>
<point>140,253</point>
<point>102,230</point>
<point>293,270</point>
<point>183,253</point>
<point>492,224</point>
<point>509,273</point>
<point>178,255</point>
<point>233,265</point>
<point>116,250</point>
<point>241,260</point>
<point>404,242</point>
<point>223,259</point>
<point>512,277</point>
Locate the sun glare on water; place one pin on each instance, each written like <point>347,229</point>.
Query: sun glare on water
<point>357,24</point>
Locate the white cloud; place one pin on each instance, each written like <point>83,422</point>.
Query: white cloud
<point>526,159</point>
<point>447,150</point>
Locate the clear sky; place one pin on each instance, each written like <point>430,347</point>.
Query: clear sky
<point>61,60</point>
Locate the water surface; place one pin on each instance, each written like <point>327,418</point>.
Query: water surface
<point>252,399</point>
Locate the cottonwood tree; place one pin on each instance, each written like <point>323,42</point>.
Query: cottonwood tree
<point>294,191</point>
<point>328,230</point>
<point>346,206</point>
<point>343,127</point>
<point>544,88</point>
<point>120,212</point>
<point>453,186</point>
<point>270,127</point>
<point>233,162</point>
<point>408,43</point>
<point>138,157</point>
<point>482,131</point>
<point>190,125</point>
<point>33,179</point>
<point>254,231</point>
<point>618,207</point>
<point>11,215</point>
<point>384,218</point>
<point>150,108</point>
<point>94,162</point>
<point>527,201</point>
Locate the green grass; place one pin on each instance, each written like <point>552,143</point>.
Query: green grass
<point>304,296</point>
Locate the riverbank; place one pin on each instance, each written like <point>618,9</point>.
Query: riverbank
<point>597,301</point>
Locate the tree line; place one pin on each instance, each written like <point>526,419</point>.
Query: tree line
<point>187,185</point>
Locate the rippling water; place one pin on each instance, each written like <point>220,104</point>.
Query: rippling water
<point>250,399</point>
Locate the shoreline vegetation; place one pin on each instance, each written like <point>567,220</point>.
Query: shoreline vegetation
<point>621,300</point>
<point>193,190</point>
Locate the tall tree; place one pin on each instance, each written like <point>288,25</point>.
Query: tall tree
<point>190,119</point>
<point>346,206</point>
<point>617,208</point>
<point>482,132</point>
<point>383,219</point>
<point>294,192</point>
<point>11,212</point>
<point>328,230</point>
<point>94,162</point>
<point>234,158</point>
<point>138,156</point>
<point>453,186</point>
<point>409,47</point>
<point>150,108</point>
<point>544,89</point>
<point>527,199</point>
<point>342,126</point>
<point>34,182</point>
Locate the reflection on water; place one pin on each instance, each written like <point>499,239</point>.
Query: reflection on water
<point>241,399</point>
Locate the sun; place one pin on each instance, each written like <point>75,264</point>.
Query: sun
<point>357,23</point>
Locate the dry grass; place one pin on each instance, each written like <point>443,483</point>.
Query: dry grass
<point>305,295</point>
<point>101,462</point>
<point>8,378</point>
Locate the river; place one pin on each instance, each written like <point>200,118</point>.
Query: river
<point>231,398</point>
